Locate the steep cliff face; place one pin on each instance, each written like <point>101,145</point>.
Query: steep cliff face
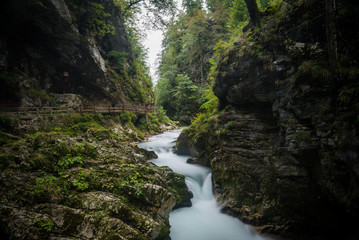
<point>41,41</point>
<point>284,149</point>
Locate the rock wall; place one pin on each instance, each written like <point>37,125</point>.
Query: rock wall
<point>284,150</point>
<point>93,183</point>
<point>41,40</point>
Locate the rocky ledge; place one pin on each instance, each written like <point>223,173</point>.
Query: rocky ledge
<point>85,180</point>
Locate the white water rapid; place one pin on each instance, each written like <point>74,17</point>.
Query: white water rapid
<point>202,221</point>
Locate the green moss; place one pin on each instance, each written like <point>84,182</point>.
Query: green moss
<point>302,135</point>
<point>45,224</point>
<point>126,117</point>
<point>120,58</point>
<point>8,123</point>
<point>37,93</point>
<point>47,187</point>
<point>165,231</point>
<point>315,72</point>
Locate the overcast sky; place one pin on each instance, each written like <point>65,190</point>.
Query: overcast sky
<point>153,43</point>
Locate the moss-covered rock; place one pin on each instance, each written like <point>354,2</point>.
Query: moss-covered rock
<point>93,184</point>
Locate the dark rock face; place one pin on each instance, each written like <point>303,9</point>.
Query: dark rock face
<point>283,159</point>
<point>186,146</point>
<point>43,39</point>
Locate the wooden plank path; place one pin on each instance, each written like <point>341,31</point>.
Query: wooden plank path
<point>33,112</point>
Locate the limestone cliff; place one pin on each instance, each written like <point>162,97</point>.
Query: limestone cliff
<point>64,46</point>
<point>284,148</point>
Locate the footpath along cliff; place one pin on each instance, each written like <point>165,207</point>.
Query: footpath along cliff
<point>284,145</point>
<point>78,176</point>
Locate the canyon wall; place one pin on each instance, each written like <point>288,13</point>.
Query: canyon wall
<point>284,145</point>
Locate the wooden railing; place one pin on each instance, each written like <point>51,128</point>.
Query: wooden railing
<point>31,112</point>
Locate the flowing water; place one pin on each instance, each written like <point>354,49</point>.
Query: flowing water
<point>202,221</point>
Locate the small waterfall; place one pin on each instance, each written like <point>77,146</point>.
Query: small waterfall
<point>202,221</point>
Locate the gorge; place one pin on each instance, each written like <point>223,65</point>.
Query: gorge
<point>268,90</point>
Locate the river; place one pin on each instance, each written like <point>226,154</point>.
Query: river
<point>202,221</point>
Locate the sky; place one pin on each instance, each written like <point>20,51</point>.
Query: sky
<point>153,43</point>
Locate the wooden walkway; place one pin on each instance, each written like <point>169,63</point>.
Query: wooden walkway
<point>33,112</point>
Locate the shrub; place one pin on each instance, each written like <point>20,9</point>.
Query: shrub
<point>7,123</point>
<point>44,224</point>
<point>126,117</point>
<point>120,58</point>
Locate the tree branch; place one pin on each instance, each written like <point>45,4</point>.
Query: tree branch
<point>133,3</point>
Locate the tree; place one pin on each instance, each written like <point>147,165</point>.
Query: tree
<point>186,96</point>
<point>254,15</point>
<point>189,5</point>
<point>238,13</point>
<point>331,34</point>
<point>197,46</point>
<point>157,8</point>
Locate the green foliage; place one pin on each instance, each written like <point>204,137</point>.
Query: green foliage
<point>47,186</point>
<point>194,44</point>
<point>162,117</point>
<point>316,70</point>
<point>41,94</point>
<point>153,123</point>
<point>238,14</point>
<point>157,8</point>
<point>191,5</point>
<point>131,180</point>
<point>69,161</point>
<point>81,181</point>
<point>128,117</point>
<point>303,135</point>
<point>7,123</point>
<point>120,58</point>
<point>348,99</point>
<point>132,74</point>
<point>98,25</point>
<point>211,104</point>
<point>206,121</point>
<point>183,99</point>
<point>45,224</point>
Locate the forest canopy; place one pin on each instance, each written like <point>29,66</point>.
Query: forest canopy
<point>192,43</point>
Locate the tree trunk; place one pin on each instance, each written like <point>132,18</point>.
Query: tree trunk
<point>331,34</point>
<point>253,12</point>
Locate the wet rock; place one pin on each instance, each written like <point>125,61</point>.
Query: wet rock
<point>176,181</point>
<point>111,191</point>
<point>185,146</point>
